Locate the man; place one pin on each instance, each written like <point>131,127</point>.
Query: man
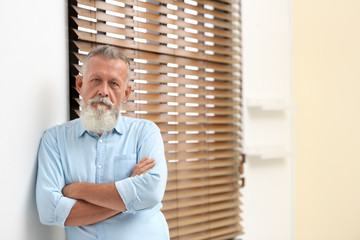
<point>97,175</point>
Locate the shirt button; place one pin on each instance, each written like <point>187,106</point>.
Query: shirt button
<point>100,141</point>
<point>99,166</point>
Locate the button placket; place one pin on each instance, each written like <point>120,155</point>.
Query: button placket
<point>99,161</point>
<point>100,155</point>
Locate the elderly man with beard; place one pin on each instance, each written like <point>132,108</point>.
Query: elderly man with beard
<point>97,175</point>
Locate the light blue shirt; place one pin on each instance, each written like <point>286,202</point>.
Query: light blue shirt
<point>68,153</point>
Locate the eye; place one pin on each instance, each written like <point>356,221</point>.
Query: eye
<point>95,79</point>
<point>114,84</point>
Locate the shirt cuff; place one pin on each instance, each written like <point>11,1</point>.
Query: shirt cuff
<point>62,210</point>
<point>127,192</point>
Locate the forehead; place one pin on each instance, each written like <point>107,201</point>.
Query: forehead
<point>100,64</point>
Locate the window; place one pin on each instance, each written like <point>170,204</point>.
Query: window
<point>186,77</point>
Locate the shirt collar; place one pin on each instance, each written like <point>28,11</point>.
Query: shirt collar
<point>80,129</point>
<point>120,127</point>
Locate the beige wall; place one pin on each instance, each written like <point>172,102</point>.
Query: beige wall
<point>327,123</point>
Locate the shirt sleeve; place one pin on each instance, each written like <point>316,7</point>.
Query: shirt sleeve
<point>147,190</point>
<point>53,207</point>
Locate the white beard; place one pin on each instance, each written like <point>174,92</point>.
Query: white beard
<point>99,120</point>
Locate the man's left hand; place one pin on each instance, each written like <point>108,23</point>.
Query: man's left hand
<point>72,190</point>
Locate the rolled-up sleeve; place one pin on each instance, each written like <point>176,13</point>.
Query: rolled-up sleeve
<point>147,190</point>
<point>53,207</point>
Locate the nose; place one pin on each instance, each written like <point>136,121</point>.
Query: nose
<point>103,90</point>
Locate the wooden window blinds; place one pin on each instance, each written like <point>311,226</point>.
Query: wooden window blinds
<point>186,76</point>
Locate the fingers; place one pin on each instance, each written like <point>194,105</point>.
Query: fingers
<point>143,160</point>
<point>146,162</point>
<point>65,190</point>
<point>146,165</point>
<point>68,190</point>
<point>143,166</point>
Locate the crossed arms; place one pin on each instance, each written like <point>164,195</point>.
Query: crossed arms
<point>97,202</point>
<point>82,203</point>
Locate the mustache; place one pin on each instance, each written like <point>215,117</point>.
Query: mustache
<point>105,100</point>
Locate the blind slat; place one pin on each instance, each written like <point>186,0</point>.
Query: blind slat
<point>196,210</point>
<point>201,146</point>
<point>206,216</point>
<point>216,77</point>
<point>195,183</point>
<point>194,201</point>
<point>160,88</point>
<point>164,108</point>
<point>183,99</point>
<point>202,154</point>
<point>204,226</point>
<point>200,136</point>
<point>199,191</point>
<point>185,165</point>
<point>182,127</point>
<point>180,175</point>
<point>212,233</point>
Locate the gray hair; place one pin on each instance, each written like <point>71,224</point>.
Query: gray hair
<point>108,52</point>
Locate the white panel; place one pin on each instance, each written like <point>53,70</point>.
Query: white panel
<point>268,119</point>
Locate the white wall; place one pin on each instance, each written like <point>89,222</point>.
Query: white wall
<point>34,96</point>
<point>268,133</point>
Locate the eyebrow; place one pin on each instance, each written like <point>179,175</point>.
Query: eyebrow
<point>97,75</point>
<point>94,76</point>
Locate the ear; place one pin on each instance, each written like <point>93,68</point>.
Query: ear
<point>127,92</point>
<point>79,83</point>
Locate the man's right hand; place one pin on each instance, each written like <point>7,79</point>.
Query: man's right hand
<point>144,166</point>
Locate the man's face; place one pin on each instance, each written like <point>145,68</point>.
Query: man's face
<point>104,78</point>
